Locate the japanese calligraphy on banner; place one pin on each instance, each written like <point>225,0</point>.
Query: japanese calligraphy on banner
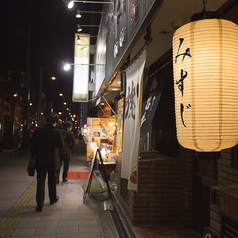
<point>151,97</point>
<point>81,68</point>
<point>132,115</point>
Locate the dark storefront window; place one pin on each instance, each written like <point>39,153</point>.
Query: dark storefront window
<point>158,112</point>
<point>124,190</point>
<point>164,121</point>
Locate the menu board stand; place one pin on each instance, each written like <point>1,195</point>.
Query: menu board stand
<point>97,158</point>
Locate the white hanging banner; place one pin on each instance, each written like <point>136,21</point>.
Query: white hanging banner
<point>81,68</point>
<point>132,118</point>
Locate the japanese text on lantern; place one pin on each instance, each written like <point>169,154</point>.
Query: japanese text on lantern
<point>183,76</point>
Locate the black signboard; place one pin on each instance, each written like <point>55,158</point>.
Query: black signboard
<point>97,158</point>
<point>151,97</point>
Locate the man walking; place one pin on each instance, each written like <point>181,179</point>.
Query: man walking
<point>65,151</point>
<point>44,146</point>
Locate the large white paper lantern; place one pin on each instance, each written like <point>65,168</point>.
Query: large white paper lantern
<point>205,55</point>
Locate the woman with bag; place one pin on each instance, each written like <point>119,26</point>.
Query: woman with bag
<point>44,147</point>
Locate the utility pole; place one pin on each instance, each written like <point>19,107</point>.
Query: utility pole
<point>39,106</point>
<point>28,84</point>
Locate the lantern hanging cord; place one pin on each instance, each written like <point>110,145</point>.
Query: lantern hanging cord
<point>205,6</point>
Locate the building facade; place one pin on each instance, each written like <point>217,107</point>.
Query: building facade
<point>173,184</point>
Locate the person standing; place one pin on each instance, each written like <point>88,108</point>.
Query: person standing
<point>44,146</point>
<point>65,151</point>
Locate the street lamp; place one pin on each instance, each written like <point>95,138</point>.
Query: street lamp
<point>81,83</point>
<point>67,67</point>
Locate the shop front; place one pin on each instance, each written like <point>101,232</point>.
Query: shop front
<point>99,133</point>
<point>157,179</point>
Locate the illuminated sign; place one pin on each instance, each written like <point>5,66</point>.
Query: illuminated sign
<point>81,68</point>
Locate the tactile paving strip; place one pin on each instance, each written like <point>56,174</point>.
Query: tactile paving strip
<point>10,221</point>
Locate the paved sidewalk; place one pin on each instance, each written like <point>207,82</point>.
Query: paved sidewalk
<point>69,217</point>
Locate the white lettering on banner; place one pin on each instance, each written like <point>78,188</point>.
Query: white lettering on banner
<point>150,102</point>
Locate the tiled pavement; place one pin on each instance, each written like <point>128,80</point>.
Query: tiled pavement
<point>164,231</point>
<point>70,217</point>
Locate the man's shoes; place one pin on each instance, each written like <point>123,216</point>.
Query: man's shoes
<point>65,180</point>
<point>55,201</point>
<point>38,209</point>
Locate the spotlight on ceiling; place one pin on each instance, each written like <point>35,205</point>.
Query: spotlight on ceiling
<point>70,3</point>
<point>79,28</point>
<point>78,15</point>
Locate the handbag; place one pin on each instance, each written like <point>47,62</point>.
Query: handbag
<point>31,166</point>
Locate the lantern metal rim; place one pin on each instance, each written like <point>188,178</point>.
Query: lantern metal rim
<point>204,15</point>
<point>208,155</point>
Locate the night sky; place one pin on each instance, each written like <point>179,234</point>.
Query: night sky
<point>53,26</point>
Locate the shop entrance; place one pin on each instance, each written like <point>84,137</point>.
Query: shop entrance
<point>204,176</point>
<point>201,204</point>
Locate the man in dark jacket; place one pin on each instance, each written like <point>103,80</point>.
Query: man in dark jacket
<point>44,146</point>
<point>65,151</point>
